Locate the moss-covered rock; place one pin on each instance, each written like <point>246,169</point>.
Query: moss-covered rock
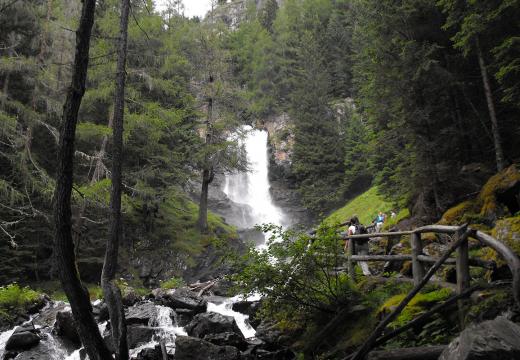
<point>497,198</point>
<point>419,304</point>
<point>494,188</point>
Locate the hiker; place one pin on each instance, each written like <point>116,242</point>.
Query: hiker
<point>361,245</point>
<point>379,221</point>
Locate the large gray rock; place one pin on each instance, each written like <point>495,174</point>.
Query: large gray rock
<point>212,323</point>
<point>65,326</point>
<point>23,338</point>
<point>190,348</point>
<point>227,338</point>
<point>497,339</point>
<point>181,299</point>
<point>136,336</point>
<point>141,313</point>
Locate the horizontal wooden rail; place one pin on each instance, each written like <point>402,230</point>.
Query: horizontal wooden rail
<point>422,258</point>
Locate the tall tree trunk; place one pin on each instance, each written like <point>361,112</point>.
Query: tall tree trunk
<point>111,291</point>
<point>499,153</point>
<point>207,178</point>
<point>208,171</point>
<point>76,293</point>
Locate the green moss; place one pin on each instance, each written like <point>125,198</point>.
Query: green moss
<point>15,300</point>
<point>420,303</point>
<point>497,183</point>
<point>492,301</point>
<point>172,283</point>
<point>507,231</point>
<point>454,215</point>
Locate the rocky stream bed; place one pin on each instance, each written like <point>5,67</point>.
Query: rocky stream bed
<point>172,324</point>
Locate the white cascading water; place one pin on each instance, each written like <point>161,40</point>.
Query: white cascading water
<point>226,308</point>
<point>251,189</point>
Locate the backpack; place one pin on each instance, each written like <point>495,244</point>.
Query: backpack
<point>360,229</point>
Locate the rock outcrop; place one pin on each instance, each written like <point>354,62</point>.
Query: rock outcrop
<point>491,340</point>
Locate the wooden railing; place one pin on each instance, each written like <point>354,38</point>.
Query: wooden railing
<point>459,243</point>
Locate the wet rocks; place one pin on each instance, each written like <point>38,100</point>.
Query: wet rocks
<point>138,335</point>
<point>491,340</point>
<point>191,348</point>
<point>141,314</point>
<point>212,323</point>
<point>180,299</point>
<point>246,307</point>
<point>228,338</point>
<point>65,326</point>
<point>23,338</point>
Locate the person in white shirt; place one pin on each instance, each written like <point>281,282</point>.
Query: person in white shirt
<point>361,246</point>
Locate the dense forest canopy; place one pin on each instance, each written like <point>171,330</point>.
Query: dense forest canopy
<point>407,95</point>
<point>120,120</point>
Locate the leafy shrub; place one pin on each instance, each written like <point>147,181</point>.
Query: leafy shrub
<point>173,283</point>
<point>15,300</point>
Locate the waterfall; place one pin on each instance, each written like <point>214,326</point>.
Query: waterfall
<point>250,190</point>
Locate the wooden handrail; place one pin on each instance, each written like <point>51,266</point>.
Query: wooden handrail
<point>369,343</point>
<point>508,255</point>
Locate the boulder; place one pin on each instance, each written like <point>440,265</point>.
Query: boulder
<point>228,338</point>
<point>190,348</point>
<point>212,323</point>
<point>130,296</point>
<point>269,333</point>
<point>491,340</point>
<point>100,311</point>
<point>65,326</point>
<point>181,298</point>
<point>246,307</point>
<point>138,335</point>
<point>141,314</point>
<point>23,338</point>
<point>151,354</point>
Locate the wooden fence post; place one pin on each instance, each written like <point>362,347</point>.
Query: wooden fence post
<point>417,266</point>
<point>463,276</point>
<point>462,265</point>
<point>350,262</point>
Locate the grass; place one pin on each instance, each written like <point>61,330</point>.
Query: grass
<point>172,283</point>
<point>365,206</point>
<point>15,300</point>
<point>54,290</point>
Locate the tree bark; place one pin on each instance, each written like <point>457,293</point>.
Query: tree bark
<point>207,178</point>
<point>76,293</point>
<point>497,140</point>
<point>111,291</point>
<point>207,171</point>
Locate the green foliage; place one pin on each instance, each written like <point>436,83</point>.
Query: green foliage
<point>295,277</point>
<point>420,303</point>
<point>15,300</point>
<point>172,283</point>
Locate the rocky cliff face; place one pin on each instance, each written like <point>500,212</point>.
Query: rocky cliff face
<point>280,129</point>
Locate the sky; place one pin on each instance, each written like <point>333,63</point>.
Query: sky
<point>191,7</point>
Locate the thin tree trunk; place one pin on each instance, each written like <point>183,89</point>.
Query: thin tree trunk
<point>207,178</point>
<point>76,293</point>
<point>111,291</point>
<point>499,153</point>
<point>207,172</point>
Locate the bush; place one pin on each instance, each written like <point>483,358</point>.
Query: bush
<point>15,300</point>
<point>172,283</point>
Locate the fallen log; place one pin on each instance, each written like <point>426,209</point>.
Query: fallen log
<point>415,353</point>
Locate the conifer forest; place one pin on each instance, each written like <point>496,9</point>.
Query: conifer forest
<point>260,179</point>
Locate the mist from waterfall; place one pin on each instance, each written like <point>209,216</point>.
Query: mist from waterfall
<point>250,190</point>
